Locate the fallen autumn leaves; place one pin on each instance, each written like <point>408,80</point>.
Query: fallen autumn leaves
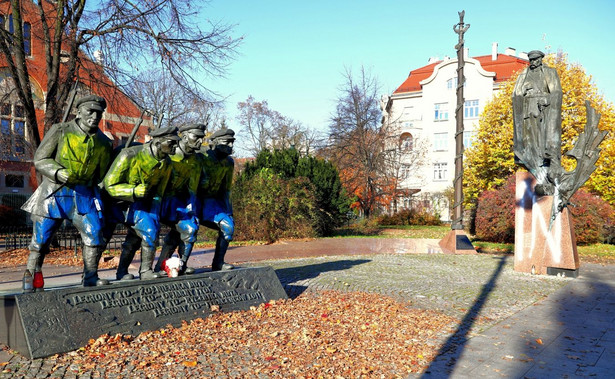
<point>65,257</point>
<point>318,334</point>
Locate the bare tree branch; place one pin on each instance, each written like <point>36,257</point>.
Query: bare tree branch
<point>268,129</point>
<point>129,34</point>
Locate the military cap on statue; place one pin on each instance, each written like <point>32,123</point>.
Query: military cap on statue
<point>168,132</point>
<point>92,102</point>
<point>197,129</point>
<point>223,133</point>
<point>535,54</point>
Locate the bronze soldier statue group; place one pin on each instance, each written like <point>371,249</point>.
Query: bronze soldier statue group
<point>169,180</point>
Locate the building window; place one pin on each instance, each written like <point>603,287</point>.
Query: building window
<point>468,139</point>
<point>406,142</point>
<point>27,38</point>
<point>440,142</point>
<point>470,109</point>
<point>14,181</point>
<point>439,171</point>
<point>441,111</point>
<point>405,171</point>
<point>451,83</point>
<point>27,32</point>
<point>13,129</point>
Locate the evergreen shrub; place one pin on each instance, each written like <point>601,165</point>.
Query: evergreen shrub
<point>283,195</point>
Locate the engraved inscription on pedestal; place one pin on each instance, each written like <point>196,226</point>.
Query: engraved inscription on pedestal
<point>64,320</point>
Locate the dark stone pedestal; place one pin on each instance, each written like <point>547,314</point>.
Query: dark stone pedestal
<point>457,242</point>
<point>56,321</point>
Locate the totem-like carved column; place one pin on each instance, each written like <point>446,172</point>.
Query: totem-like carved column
<point>457,241</point>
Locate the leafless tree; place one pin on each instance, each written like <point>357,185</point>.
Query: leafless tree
<point>401,160</point>
<point>163,97</point>
<point>268,129</point>
<point>128,35</point>
<point>357,141</point>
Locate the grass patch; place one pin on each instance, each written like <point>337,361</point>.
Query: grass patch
<point>597,253</point>
<point>493,247</point>
<point>395,231</point>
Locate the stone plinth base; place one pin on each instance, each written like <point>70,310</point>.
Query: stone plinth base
<point>538,249</point>
<point>457,242</point>
<point>56,321</point>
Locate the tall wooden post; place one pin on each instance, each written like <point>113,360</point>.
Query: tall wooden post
<point>456,241</point>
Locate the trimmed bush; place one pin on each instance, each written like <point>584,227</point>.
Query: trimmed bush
<point>592,217</point>
<point>268,208</point>
<point>302,188</point>
<point>413,216</point>
<point>495,214</point>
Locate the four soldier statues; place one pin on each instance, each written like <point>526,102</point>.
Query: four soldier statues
<point>169,180</point>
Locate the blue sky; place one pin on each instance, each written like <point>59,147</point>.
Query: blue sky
<point>294,52</point>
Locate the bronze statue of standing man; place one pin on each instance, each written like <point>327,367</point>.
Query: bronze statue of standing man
<point>537,138</point>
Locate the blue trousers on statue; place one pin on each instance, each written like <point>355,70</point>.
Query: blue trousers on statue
<point>82,206</point>
<point>215,215</point>
<point>184,228</point>
<point>143,222</point>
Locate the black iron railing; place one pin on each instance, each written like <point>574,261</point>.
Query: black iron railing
<point>67,237</point>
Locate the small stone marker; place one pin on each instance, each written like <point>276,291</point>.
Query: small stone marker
<point>457,242</point>
<point>56,321</point>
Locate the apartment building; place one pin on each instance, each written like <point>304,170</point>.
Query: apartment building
<point>421,113</point>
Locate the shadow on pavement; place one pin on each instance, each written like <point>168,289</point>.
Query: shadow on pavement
<point>292,277</point>
<point>581,341</point>
<point>454,345</point>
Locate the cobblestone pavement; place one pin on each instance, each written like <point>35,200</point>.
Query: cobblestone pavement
<point>480,289</point>
<point>447,283</point>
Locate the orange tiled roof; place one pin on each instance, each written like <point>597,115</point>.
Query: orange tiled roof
<point>504,67</point>
<point>416,76</point>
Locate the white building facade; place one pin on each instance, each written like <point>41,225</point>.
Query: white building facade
<point>422,113</point>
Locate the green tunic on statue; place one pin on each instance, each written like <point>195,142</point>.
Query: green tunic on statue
<point>217,176</point>
<point>185,174</point>
<point>66,146</point>
<point>137,165</point>
<point>215,188</point>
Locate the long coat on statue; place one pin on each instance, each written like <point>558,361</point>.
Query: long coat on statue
<point>537,100</point>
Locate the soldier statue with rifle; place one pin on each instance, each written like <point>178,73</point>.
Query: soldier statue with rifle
<point>215,208</point>
<point>179,204</point>
<point>137,180</point>
<point>72,159</point>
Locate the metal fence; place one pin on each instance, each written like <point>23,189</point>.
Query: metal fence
<point>19,237</point>
<point>14,237</point>
<point>67,237</point>
<point>10,210</point>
